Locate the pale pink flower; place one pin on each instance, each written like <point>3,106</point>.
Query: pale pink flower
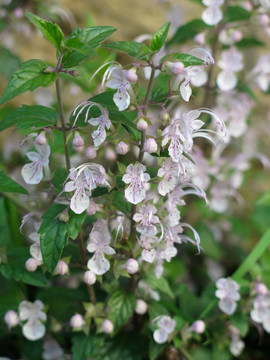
<point>228,294</point>
<point>136,177</point>
<point>231,62</point>
<point>212,15</point>
<point>32,173</point>
<point>166,326</point>
<point>32,313</point>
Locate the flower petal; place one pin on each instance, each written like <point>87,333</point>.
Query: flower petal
<point>33,329</point>
<point>160,336</point>
<point>79,201</point>
<point>121,99</point>
<point>32,173</point>
<point>98,264</point>
<point>185,90</point>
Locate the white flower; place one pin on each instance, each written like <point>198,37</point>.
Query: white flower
<point>147,218</point>
<point>136,177</point>
<point>148,243</point>
<point>170,173</point>
<point>261,72</point>
<point>230,63</point>
<point>212,15</point>
<point>261,311</point>
<point>99,244</point>
<point>166,326</point>
<point>32,313</point>
<point>83,180</point>
<point>182,81</point>
<point>32,173</point>
<point>119,81</point>
<point>52,350</point>
<point>228,294</point>
<point>237,345</point>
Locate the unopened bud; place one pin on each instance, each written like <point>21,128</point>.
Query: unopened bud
<point>49,70</point>
<point>41,139</point>
<point>264,20</point>
<point>237,36</point>
<point>89,277</point>
<point>175,68</point>
<point>150,146</point>
<point>92,208</point>
<point>198,326</point>
<point>11,318</point>
<point>132,266</point>
<point>61,267</point>
<point>199,39</point>
<point>164,116</point>
<point>122,148</point>
<point>31,264</point>
<point>141,307</point>
<point>131,75</point>
<point>91,152</point>
<point>261,289</point>
<point>18,13</point>
<point>142,124</point>
<point>77,142</point>
<point>64,217</point>
<point>77,321</point>
<point>107,326</point>
<point>110,154</point>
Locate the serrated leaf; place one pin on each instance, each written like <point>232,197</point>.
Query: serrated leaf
<point>121,306</point>
<point>52,32</point>
<point>160,284</point>
<point>30,116</point>
<point>186,59</point>
<point>236,13</point>
<point>30,76</point>
<point>159,37</point>
<point>9,185</point>
<point>53,236</point>
<point>75,223</point>
<point>188,31</point>
<point>132,48</point>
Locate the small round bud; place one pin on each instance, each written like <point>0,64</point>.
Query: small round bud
<point>107,326</point>
<point>92,208</point>
<point>61,267</point>
<point>198,326</point>
<point>122,148</point>
<point>199,39</point>
<point>91,152</point>
<point>178,68</point>
<point>31,264</point>
<point>11,318</point>
<point>261,289</point>
<point>77,321</point>
<point>110,154</point>
<point>132,266</point>
<point>77,142</point>
<point>264,20</point>
<point>150,146</point>
<point>142,124</point>
<point>41,139</point>
<point>131,75</point>
<point>141,307</point>
<point>89,277</point>
<point>64,217</point>
<point>164,116</point>
<point>18,13</point>
<point>237,36</point>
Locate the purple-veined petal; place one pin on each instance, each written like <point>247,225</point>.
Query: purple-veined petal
<point>149,255</point>
<point>135,193</point>
<point>185,90</point>
<point>79,201</point>
<point>98,264</point>
<point>32,173</point>
<point>121,99</point>
<point>70,186</point>
<point>228,306</point>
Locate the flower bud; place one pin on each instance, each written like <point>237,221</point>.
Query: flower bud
<point>107,326</point>
<point>142,124</point>
<point>31,264</point>
<point>64,217</point>
<point>77,321</point>
<point>91,152</point>
<point>77,142</point>
<point>92,208</point>
<point>261,289</point>
<point>110,154</point>
<point>141,307</point>
<point>41,139</point>
<point>18,13</point>
<point>132,266</point>
<point>150,146</point>
<point>198,326</point>
<point>237,36</point>
<point>164,116</point>
<point>199,39</point>
<point>131,75</point>
<point>11,318</point>
<point>122,148</point>
<point>264,20</point>
<point>89,277</point>
<point>175,68</point>
<point>61,267</point>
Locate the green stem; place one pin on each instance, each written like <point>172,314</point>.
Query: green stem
<point>24,206</point>
<point>185,353</point>
<point>61,111</point>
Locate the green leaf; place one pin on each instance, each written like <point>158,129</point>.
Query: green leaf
<point>247,42</point>
<point>132,48</point>
<point>188,31</point>
<point>160,284</point>
<point>59,177</point>
<point>30,76</point>
<point>73,58</point>
<point>5,233</point>
<point>159,37</point>
<point>236,13</point>
<point>121,306</point>
<point>29,116</point>
<point>53,236</point>
<point>186,59</point>
<point>52,32</point>
<point>9,185</point>
<point>9,63</point>
<point>15,268</point>
<point>120,203</point>
<point>75,223</point>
